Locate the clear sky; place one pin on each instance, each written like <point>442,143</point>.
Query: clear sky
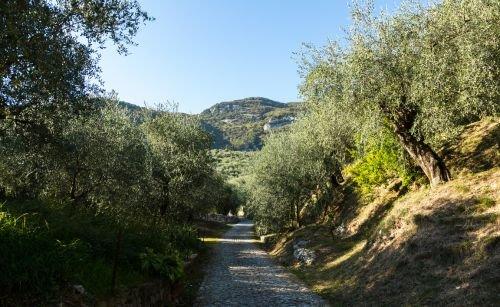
<point>200,52</point>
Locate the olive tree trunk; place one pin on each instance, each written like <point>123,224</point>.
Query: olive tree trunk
<point>297,214</point>
<point>429,161</point>
<point>431,164</point>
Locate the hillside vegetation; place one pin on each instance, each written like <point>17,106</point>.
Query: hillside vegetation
<point>232,164</point>
<point>388,182</point>
<point>427,246</point>
<point>96,196</point>
<point>239,124</point>
<point>384,179</point>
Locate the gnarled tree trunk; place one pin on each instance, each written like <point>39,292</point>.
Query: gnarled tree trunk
<point>429,161</point>
<point>431,164</point>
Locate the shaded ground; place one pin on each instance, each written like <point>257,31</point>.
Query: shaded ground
<point>241,274</point>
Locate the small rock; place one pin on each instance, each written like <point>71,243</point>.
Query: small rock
<point>340,230</point>
<point>302,254</point>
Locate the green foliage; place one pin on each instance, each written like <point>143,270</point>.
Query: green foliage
<point>45,245</point>
<point>231,164</point>
<point>398,86</point>
<point>233,167</point>
<point>382,160</point>
<point>180,238</point>
<point>48,51</point>
<point>422,70</point>
<point>89,185</point>
<point>289,171</point>
<point>95,274</point>
<point>100,180</point>
<point>167,265</point>
<point>298,167</point>
<point>182,170</point>
<point>32,260</point>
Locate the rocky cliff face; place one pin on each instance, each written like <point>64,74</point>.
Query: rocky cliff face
<point>278,122</point>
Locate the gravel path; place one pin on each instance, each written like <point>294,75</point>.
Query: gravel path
<point>241,274</point>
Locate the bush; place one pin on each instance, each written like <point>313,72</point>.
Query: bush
<point>168,265</point>
<point>32,260</point>
<point>381,160</point>
<point>45,245</point>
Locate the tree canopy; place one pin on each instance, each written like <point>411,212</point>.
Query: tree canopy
<point>422,71</point>
<point>49,49</point>
<point>381,104</point>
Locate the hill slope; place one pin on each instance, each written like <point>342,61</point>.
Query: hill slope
<point>436,246</point>
<point>242,124</point>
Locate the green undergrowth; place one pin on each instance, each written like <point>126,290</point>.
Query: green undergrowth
<point>382,160</point>
<point>46,247</point>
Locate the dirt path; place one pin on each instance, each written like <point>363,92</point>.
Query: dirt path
<point>241,274</point>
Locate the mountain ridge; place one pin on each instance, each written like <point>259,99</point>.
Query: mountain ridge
<point>242,124</point>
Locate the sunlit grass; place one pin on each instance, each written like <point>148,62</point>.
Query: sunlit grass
<point>353,251</point>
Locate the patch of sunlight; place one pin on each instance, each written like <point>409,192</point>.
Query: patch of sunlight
<point>321,287</point>
<point>353,251</point>
<point>211,240</point>
<point>367,211</point>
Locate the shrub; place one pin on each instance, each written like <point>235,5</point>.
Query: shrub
<point>166,265</point>
<point>45,245</point>
<point>32,260</point>
<point>381,160</point>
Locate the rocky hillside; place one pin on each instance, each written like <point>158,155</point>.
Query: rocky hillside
<point>242,124</point>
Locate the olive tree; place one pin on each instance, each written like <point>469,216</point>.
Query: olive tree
<point>182,167</point>
<point>48,50</point>
<point>291,167</point>
<point>105,157</point>
<point>422,71</point>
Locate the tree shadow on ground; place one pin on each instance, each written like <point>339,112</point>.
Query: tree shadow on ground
<point>477,149</point>
<point>442,262</point>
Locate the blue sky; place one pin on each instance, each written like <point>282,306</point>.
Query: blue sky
<point>200,52</point>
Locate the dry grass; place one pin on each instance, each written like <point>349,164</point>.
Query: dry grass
<point>436,246</point>
<point>476,149</point>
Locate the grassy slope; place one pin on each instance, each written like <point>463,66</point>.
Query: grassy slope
<point>231,164</point>
<point>429,246</point>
